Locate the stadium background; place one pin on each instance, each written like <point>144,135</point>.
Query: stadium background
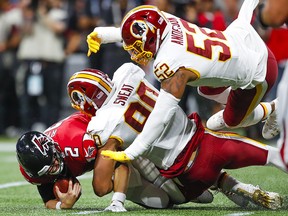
<point>33,98</point>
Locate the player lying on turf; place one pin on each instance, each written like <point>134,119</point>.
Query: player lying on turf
<point>185,152</point>
<point>65,150</point>
<point>71,153</point>
<point>227,66</point>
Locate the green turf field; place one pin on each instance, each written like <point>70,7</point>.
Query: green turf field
<point>19,198</point>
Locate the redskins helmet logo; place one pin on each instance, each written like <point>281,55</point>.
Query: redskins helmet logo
<point>138,28</point>
<point>78,97</point>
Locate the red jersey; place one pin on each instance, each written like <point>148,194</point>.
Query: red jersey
<point>79,148</point>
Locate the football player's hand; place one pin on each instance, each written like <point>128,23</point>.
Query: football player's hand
<point>70,198</point>
<point>93,42</point>
<point>116,155</point>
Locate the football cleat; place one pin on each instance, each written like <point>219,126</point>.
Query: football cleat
<point>256,195</point>
<point>216,121</point>
<point>271,127</point>
<point>237,199</point>
<point>115,206</point>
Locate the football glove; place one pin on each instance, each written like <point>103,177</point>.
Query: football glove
<point>116,155</point>
<point>93,42</point>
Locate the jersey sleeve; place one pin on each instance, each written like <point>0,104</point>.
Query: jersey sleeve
<point>101,127</point>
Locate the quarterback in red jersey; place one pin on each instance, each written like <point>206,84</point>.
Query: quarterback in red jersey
<point>64,150</point>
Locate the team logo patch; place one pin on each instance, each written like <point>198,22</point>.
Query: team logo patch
<point>41,142</point>
<point>139,28</point>
<point>78,98</point>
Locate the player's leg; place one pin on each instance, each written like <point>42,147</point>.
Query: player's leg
<point>219,95</point>
<point>231,151</point>
<point>144,193</point>
<point>243,106</point>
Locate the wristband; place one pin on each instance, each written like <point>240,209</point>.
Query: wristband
<point>58,205</point>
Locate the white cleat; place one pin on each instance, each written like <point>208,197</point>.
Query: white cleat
<point>115,206</point>
<point>269,200</point>
<point>271,127</point>
<point>216,121</point>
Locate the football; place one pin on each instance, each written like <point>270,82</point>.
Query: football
<point>63,184</point>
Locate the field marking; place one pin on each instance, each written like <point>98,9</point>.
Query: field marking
<point>7,147</point>
<point>240,214</point>
<point>88,212</point>
<point>21,183</point>
<point>13,184</point>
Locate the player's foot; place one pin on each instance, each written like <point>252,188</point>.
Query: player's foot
<point>216,121</point>
<point>237,199</point>
<point>255,194</point>
<point>271,127</point>
<point>116,206</point>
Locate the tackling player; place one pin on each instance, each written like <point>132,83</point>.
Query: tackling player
<point>233,67</point>
<point>185,152</point>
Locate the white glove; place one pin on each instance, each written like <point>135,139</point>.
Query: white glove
<point>116,206</point>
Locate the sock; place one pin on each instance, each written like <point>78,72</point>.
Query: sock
<point>259,113</point>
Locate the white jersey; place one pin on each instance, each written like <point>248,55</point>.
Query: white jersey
<point>236,57</point>
<point>126,112</point>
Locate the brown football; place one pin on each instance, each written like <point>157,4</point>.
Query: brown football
<point>63,184</point>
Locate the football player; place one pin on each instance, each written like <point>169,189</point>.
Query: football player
<point>275,13</point>
<point>233,67</point>
<point>186,152</point>
<point>65,150</point>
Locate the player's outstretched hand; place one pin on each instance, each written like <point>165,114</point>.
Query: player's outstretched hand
<point>117,156</point>
<point>93,42</point>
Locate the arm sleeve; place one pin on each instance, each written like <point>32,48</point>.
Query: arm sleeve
<point>46,192</point>
<point>108,34</point>
<point>164,109</point>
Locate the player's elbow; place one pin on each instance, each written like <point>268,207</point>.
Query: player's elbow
<point>101,189</point>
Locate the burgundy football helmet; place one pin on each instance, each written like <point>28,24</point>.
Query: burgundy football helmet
<point>88,90</point>
<point>143,30</point>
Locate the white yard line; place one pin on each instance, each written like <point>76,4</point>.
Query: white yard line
<point>7,147</point>
<point>240,213</point>
<point>20,183</point>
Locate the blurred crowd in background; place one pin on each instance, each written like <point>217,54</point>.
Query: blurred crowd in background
<point>43,42</point>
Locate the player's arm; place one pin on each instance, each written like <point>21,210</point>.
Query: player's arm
<point>273,13</point>
<point>102,35</point>
<point>104,170</point>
